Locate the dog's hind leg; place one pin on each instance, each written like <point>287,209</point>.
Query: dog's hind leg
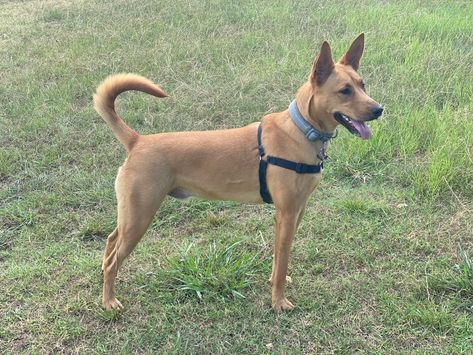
<point>109,246</point>
<point>137,205</point>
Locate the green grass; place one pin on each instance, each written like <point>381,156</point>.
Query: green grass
<point>375,262</point>
<point>464,272</point>
<point>218,272</point>
<point>458,280</point>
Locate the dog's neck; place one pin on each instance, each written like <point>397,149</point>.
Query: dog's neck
<point>310,132</point>
<point>320,120</point>
<point>316,149</point>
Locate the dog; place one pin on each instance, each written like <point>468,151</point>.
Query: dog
<point>279,160</point>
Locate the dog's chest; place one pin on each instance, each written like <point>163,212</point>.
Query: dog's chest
<point>315,180</point>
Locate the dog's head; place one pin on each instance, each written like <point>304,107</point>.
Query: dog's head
<point>335,93</point>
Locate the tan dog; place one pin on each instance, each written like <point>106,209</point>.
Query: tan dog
<point>224,164</point>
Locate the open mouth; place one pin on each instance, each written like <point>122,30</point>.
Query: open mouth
<point>357,128</point>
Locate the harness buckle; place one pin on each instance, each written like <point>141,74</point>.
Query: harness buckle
<point>260,152</point>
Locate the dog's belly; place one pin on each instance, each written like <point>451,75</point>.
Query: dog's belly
<point>230,191</point>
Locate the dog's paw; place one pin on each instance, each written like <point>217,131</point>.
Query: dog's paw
<point>282,304</point>
<point>112,304</point>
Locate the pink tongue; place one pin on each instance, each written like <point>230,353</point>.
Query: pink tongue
<point>362,129</point>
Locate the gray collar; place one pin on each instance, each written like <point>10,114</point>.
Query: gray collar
<point>309,131</point>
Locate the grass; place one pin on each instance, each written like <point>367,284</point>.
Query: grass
<point>459,280</point>
<point>221,272</point>
<point>464,272</point>
<point>374,261</point>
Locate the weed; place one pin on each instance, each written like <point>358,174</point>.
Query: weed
<point>463,272</point>
<point>213,272</point>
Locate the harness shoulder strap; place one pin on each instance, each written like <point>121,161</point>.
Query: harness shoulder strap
<point>263,166</point>
<point>260,145</point>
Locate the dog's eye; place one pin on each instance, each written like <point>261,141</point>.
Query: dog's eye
<point>345,91</point>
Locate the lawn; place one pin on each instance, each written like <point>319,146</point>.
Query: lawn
<point>381,262</point>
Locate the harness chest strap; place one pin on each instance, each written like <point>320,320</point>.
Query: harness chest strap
<point>299,168</point>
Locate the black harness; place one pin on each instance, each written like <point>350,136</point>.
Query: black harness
<point>299,168</point>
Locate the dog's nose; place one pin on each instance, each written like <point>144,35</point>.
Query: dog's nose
<point>377,111</point>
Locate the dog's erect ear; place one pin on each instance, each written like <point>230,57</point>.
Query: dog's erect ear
<point>353,55</point>
<point>323,65</point>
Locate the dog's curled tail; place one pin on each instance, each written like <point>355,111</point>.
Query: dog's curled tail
<point>104,102</point>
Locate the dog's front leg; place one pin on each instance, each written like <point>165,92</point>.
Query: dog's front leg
<point>288,278</point>
<point>286,225</point>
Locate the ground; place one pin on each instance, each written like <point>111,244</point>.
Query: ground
<point>380,263</point>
